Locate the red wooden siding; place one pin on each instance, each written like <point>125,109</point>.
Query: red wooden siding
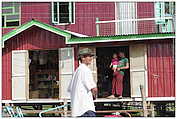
<point>40,11</point>
<point>145,10</point>
<point>6,30</point>
<point>85,16</point>
<point>6,74</point>
<point>86,13</point>
<point>34,38</point>
<point>161,77</point>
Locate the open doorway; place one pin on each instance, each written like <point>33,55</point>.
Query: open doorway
<point>43,74</point>
<point>104,56</point>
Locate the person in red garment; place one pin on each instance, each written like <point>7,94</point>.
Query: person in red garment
<point>118,76</point>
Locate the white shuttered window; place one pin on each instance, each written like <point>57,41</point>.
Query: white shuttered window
<point>19,75</point>
<point>138,72</point>
<point>66,69</point>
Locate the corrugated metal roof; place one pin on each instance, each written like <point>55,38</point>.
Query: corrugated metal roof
<point>120,38</point>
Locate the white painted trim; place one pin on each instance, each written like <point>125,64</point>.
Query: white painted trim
<point>143,19</point>
<point>70,12</point>
<point>116,18</point>
<point>58,7</point>
<point>146,72</point>
<point>137,70</point>
<point>97,100</point>
<point>74,12</point>
<point>136,39</point>
<point>136,16</point>
<point>161,99</point>
<point>58,23</point>
<point>27,80</point>
<point>33,101</point>
<point>53,21</point>
<point>20,16</point>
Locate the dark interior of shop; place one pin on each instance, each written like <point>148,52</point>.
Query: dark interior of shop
<point>43,70</point>
<point>104,56</point>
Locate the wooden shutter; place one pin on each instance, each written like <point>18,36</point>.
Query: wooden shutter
<point>138,71</point>
<point>20,77</point>
<point>66,70</point>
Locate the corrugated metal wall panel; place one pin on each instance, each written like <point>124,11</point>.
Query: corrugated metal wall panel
<point>32,39</point>
<point>161,80</point>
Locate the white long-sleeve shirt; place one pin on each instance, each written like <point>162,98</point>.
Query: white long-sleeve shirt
<point>80,91</point>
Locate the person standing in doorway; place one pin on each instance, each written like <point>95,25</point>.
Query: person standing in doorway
<point>118,76</point>
<point>82,88</point>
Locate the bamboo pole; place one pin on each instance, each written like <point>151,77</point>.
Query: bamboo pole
<point>145,113</point>
<point>65,108</point>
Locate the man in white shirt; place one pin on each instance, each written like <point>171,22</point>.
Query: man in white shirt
<point>82,87</point>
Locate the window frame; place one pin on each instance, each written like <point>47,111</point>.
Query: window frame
<point>164,25</point>
<point>14,13</point>
<point>163,13</point>
<point>58,22</point>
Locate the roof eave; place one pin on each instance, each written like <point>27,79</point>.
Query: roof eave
<point>38,24</point>
<point>113,39</point>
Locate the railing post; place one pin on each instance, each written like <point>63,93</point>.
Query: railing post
<point>152,110</point>
<point>145,113</point>
<point>173,23</point>
<point>65,108</point>
<point>97,27</point>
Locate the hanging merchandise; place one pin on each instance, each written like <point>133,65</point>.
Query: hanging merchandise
<point>51,77</point>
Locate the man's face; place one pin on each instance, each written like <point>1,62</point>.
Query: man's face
<point>87,59</point>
